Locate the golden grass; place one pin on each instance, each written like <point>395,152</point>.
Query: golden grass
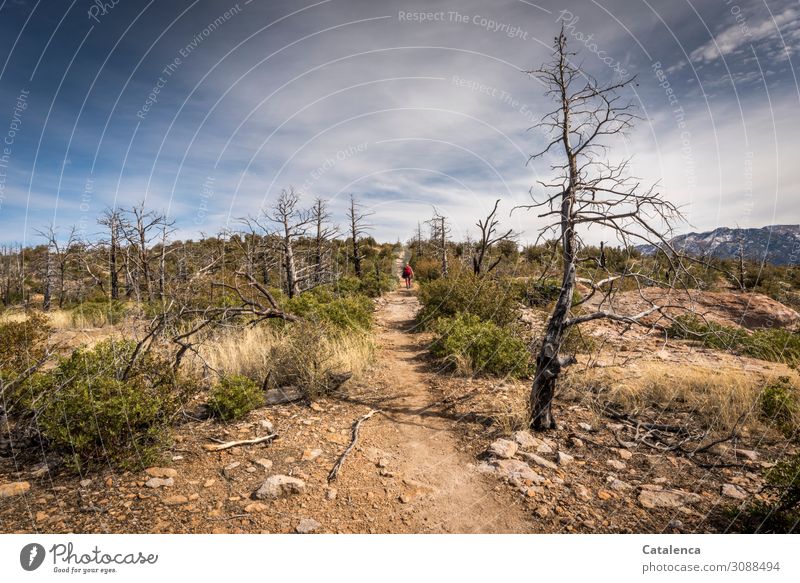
<point>303,354</point>
<point>715,397</point>
<point>58,319</point>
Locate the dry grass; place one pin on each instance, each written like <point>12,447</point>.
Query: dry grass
<point>58,319</point>
<point>301,354</point>
<point>716,398</point>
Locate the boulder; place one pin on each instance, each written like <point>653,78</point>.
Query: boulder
<point>280,486</point>
<point>515,470</point>
<point>14,489</point>
<point>656,497</point>
<point>503,448</point>
<point>161,472</point>
<point>307,526</point>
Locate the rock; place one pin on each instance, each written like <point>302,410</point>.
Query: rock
<point>624,454</point>
<point>250,469</point>
<point>331,493</point>
<point>538,460</point>
<point>582,492</point>
<point>503,448</point>
<point>542,512</point>
<point>208,483</point>
<point>655,497</point>
<point>585,426</point>
<point>159,482</point>
<point>616,464</point>
<point>485,468</point>
<point>383,462</point>
<point>564,458</point>
<point>517,470</point>
<point>85,483</point>
<point>316,407</point>
<point>161,472</point>
<point>280,486</point>
<point>264,463</point>
<point>675,524</point>
<point>618,485</point>
<point>309,455</point>
<point>255,507</point>
<point>175,500</point>
<point>576,442</point>
<point>544,448</point>
<point>307,526</point>
<point>525,440</point>
<point>283,395</point>
<point>14,489</point>
<point>604,494</point>
<point>267,425</point>
<point>748,454</point>
<point>732,491</point>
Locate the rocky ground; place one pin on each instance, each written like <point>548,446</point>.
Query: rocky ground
<point>442,454</point>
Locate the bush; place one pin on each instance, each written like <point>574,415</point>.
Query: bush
<point>310,357</point>
<point>780,406</point>
<point>771,344</point>
<point>476,346</point>
<point>371,285</point>
<point>780,511</point>
<point>96,314</point>
<point>482,297</point>
<point>92,416</point>
<point>351,313</point>
<point>234,397</point>
<point>23,344</point>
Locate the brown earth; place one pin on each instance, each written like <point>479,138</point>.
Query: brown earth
<point>416,467</point>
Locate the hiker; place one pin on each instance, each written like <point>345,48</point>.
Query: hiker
<point>408,273</point>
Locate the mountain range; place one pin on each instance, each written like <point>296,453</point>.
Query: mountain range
<point>776,244</point>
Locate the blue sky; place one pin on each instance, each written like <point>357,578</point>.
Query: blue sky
<point>406,111</point>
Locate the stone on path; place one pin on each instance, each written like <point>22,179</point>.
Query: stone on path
<point>503,448</point>
<point>307,526</point>
<point>280,486</point>
<point>14,489</point>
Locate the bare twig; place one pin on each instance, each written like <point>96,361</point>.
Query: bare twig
<point>229,444</point>
<point>356,426</point>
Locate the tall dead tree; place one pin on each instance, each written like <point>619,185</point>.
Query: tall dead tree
<point>112,220</point>
<point>292,223</point>
<point>589,190</point>
<point>439,234</point>
<point>490,236</point>
<point>141,229</point>
<point>324,231</point>
<point>59,255</point>
<point>357,220</point>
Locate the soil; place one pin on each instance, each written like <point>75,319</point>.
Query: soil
<point>418,466</point>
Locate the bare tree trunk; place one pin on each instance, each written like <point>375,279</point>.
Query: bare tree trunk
<point>47,282</point>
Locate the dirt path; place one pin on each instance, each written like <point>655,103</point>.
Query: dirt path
<point>437,476</point>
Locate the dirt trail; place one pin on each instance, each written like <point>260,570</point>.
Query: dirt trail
<point>438,476</point>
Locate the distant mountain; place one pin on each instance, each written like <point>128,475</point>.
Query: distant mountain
<point>777,244</point>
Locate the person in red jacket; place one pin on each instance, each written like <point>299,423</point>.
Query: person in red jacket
<point>408,274</point>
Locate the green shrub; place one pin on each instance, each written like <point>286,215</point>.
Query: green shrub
<point>477,346</point>
<point>234,397</point>
<point>23,344</point>
<point>779,512</point>
<point>350,313</point>
<point>371,285</point>
<point>93,415</point>
<point>780,405</point>
<point>96,314</point>
<point>482,297</point>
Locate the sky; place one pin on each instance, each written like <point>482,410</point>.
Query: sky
<point>206,110</point>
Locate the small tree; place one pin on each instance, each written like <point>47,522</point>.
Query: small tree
<point>357,220</point>
<point>589,191</point>
<point>490,236</point>
<point>440,231</point>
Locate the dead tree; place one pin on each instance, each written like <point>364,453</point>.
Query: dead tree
<point>357,218</point>
<point>59,255</point>
<point>141,228</point>
<point>292,223</point>
<point>490,236</point>
<point>112,220</point>
<point>324,231</point>
<point>439,233</point>
<point>588,191</point>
